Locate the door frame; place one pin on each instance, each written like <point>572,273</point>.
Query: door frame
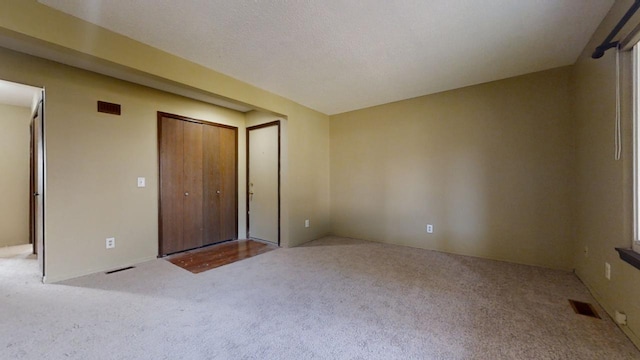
<point>160,115</point>
<point>32,186</point>
<point>256,127</point>
<point>38,151</point>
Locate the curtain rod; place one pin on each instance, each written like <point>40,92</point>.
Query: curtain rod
<point>608,43</point>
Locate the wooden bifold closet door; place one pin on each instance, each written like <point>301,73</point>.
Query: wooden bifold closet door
<point>220,207</point>
<point>198,183</point>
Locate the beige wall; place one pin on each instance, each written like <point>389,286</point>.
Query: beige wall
<point>305,144</point>
<point>94,159</point>
<point>490,166</point>
<point>14,181</point>
<point>308,176</point>
<point>77,143</point>
<point>605,186</point>
<point>35,25</point>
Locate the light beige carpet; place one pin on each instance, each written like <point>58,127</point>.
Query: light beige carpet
<point>334,299</point>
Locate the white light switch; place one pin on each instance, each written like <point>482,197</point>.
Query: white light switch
<point>306,223</point>
<point>142,182</point>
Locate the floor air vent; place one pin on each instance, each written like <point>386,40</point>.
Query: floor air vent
<point>118,270</point>
<point>584,308</point>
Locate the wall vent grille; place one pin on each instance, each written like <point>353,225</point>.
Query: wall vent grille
<point>109,108</point>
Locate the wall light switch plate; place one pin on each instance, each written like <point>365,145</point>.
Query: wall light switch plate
<point>142,182</point>
<point>607,270</point>
<point>306,223</point>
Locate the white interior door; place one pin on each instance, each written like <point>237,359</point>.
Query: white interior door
<point>263,182</point>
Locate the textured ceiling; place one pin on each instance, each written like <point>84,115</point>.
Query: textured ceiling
<point>341,55</point>
<point>17,94</point>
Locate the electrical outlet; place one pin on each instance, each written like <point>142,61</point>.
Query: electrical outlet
<point>111,243</point>
<point>430,229</point>
<point>306,223</point>
<point>607,270</point>
<point>621,318</point>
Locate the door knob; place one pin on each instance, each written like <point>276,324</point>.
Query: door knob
<point>186,194</point>
<point>218,192</point>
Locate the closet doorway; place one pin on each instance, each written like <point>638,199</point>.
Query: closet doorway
<point>198,183</point>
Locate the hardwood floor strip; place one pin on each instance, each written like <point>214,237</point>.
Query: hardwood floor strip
<point>211,257</point>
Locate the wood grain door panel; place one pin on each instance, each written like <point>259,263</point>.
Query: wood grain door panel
<point>171,185</point>
<point>211,184</point>
<point>228,184</point>
<point>193,194</point>
<point>198,183</point>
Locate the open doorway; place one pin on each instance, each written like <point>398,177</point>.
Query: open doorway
<point>22,166</point>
